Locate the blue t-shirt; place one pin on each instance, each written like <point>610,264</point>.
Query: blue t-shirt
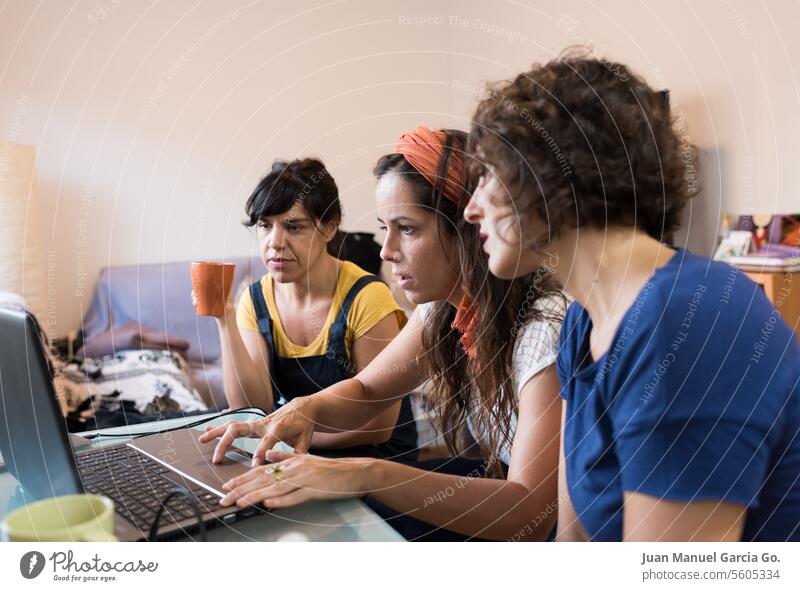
<point>696,399</point>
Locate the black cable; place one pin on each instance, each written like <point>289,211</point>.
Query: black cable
<point>179,491</point>
<point>256,411</point>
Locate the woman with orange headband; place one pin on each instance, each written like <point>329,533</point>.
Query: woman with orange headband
<point>486,347</point>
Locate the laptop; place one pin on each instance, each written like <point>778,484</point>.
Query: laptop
<point>138,475</point>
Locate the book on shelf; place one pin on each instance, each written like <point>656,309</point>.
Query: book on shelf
<point>778,257</point>
<point>767,269</point>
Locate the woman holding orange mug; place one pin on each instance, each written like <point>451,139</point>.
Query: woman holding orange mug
<point>312,320</point>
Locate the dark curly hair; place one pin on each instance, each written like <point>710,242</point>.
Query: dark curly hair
<point>306,181</point>
<point>583,142</point>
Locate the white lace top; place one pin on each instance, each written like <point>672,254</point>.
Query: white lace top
<point>535,348</point>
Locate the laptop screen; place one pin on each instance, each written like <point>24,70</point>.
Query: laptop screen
<point>33,434</point>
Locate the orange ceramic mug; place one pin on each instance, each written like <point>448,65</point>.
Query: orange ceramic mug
<point>211,283</point>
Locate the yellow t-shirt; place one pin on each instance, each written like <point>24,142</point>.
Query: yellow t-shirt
<point>372,304</point>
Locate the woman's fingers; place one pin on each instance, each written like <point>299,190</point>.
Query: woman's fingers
<point>286,425</point>
<point>234,431</point>
<point>273,455</point>
<point>213,432</point>
<point>297,496</point>
<point>275,472</point>
<point>264,481</point>
<point>263,494</point>
<point>258,490</point>
<point>250,475</point>
<point>241,485</point>
<point>303,442</point>
<point>267,443</point>
<point>296,479</point>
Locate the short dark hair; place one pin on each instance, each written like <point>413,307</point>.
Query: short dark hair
<point>583,142</point>
<point>306,181</point>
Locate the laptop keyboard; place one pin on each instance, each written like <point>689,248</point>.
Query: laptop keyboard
<point>138,485</point>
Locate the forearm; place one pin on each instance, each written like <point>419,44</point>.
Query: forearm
<point>483,507</point>
<point>345,406</point>
<point>344,440</point>
<point>569,528</point>
<point>375,431</point>
<point>244,383</point>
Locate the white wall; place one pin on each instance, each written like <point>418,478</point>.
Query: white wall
<point>154,121</point>
<point>731,67</point>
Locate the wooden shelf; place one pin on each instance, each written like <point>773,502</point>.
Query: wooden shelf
<point>783,290</point>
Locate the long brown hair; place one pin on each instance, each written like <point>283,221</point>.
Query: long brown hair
<point>504,306</point>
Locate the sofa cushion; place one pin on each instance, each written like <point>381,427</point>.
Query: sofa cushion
<point>159,296</point>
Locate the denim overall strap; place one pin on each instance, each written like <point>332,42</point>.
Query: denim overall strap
<point>262,313</point>
<point>337,349</point>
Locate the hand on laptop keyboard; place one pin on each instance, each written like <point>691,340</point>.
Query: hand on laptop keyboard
<point>291,425</point>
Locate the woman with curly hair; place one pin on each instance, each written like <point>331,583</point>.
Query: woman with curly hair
<point>680,380</point>
<point>488,348</point>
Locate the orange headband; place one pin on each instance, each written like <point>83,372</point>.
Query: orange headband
<point>423,149</point>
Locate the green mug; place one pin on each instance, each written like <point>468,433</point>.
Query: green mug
<point>70,518</point>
